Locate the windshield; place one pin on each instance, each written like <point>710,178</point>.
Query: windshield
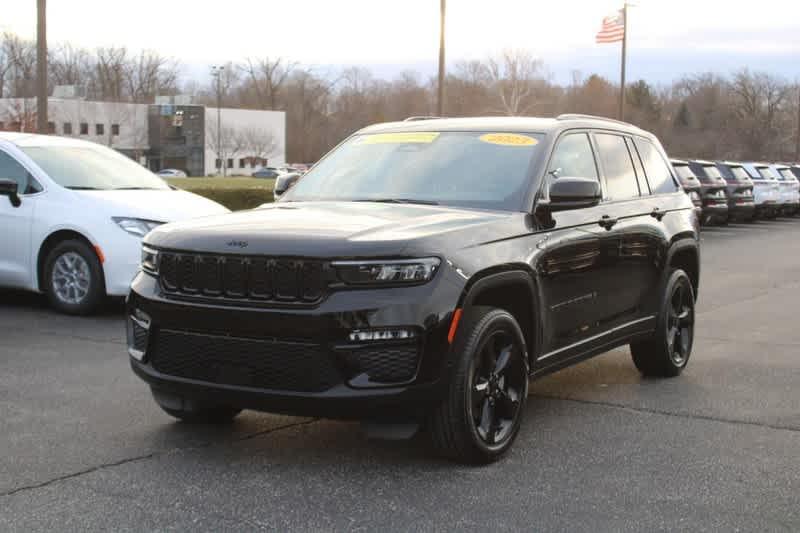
<point>92,168</point>
<point>684,172</point>
<point>465,169</point>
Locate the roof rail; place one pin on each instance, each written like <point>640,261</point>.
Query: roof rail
<point>578,116</point>
<point>412,119</point>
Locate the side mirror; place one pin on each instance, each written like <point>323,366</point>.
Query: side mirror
<point>571,193</point>
<point>9,188</point>
<point>284,182</point>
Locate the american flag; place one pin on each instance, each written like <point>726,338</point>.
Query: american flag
<point>613,28</point>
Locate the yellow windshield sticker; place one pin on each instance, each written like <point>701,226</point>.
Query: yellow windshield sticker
<point>399,138</point>
<point>508,139</point>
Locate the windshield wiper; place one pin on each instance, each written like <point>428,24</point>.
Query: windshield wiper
<point>135,189</point>
<point>397,201</point>
<point>80,188</point>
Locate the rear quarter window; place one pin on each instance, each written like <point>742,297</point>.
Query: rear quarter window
<point>656,168</point>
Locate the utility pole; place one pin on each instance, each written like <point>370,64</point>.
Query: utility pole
<point>41,66</point>
<point>440,99</point>
<point>217,72</point>
<point>797,133</point>
<point>621,111</point>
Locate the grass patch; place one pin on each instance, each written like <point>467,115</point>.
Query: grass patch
<point>234,193</point>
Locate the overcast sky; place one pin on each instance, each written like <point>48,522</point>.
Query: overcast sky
<point>667,38</point>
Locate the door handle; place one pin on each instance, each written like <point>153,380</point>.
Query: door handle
<point>607,222</point>
<point>657,214</point>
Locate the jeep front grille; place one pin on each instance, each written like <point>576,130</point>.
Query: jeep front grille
<point>243,278</point>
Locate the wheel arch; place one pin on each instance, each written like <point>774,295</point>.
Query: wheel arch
<point>685,254</point>
<point>512,288</point>
<point>50,242</point>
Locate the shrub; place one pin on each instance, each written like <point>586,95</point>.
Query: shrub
<point>234,193</point>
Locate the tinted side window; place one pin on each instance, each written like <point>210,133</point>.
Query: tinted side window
<point>617,167</point>
<point>658,175</point>
<point>10,169</point>
<point>573,157</point>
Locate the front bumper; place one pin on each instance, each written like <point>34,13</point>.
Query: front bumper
<point>299,361</point>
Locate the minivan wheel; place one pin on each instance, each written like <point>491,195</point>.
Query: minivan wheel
<point>192,412</point>
<point>73,278</point>
<point>667,352</point>
<point>481,414</point>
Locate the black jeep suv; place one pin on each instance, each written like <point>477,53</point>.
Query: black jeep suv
<point>421,273</point>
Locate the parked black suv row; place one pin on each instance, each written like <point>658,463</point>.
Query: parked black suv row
<point>422,272</point>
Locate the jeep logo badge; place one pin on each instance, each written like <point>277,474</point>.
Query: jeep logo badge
<point>238,244</point>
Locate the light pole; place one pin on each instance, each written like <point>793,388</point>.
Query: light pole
<point>41,67</point>
<point>440,99</point>
<point>217,73</point>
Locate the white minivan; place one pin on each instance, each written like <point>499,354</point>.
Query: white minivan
<point>72,216</point>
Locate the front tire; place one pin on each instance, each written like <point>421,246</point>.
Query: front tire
<point>73,278</point>
<point>667,352</point>
<point>482,412</point>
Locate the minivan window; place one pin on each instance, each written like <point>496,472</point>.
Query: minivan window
<point>786,174</point>
<point>617,167</point>
<point>92,168</point>
<point>488,170</point>
<point>573,157</point>
<point>11,169</point>
<point>658,175</point>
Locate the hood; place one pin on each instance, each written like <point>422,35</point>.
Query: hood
<point>159,205</point>
<point>334,229</point>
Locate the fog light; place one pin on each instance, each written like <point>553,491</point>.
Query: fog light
<point>382,335</point>
<point>138,329</point>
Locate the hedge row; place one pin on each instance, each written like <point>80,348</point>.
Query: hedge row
<point>234,193</point>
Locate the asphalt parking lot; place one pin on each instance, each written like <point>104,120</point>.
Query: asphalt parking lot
<point>83,447</point>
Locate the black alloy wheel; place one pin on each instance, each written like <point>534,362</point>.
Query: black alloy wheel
<point>667,352</point>
<point>482,411</point>
<point>680,324</point>
<point>497,388</point>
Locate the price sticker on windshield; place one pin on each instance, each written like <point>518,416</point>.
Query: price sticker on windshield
<point>425,137</point>
<point>508,139</point>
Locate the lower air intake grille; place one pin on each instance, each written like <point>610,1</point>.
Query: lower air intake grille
<point>388,364</point>
<point>243,362</point>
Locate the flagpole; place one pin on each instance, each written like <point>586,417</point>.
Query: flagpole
<point>621,111</point>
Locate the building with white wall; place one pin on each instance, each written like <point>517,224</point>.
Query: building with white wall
<point>164,135</point>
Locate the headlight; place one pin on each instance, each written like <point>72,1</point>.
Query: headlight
<point>149,260</point>
<point>136,226</point>
<point>387,271</point>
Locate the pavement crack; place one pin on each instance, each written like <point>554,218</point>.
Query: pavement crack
<point>147,456</point>
<point>663,412</point>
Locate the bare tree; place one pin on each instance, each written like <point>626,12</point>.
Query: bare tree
<point>231,143</point>
<point>758,99</point>
<point>20,72</point>
<point>150,74</point>
<point>514,75</point>
<point>266,78</point>
<point>259,144</point>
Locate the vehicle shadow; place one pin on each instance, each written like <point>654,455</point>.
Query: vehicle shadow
<point>24,300</point>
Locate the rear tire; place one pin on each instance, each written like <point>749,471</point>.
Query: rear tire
<point>192,412</point>
<point>481,414</point>
<point>667,352</point>
<point>73,278</point>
